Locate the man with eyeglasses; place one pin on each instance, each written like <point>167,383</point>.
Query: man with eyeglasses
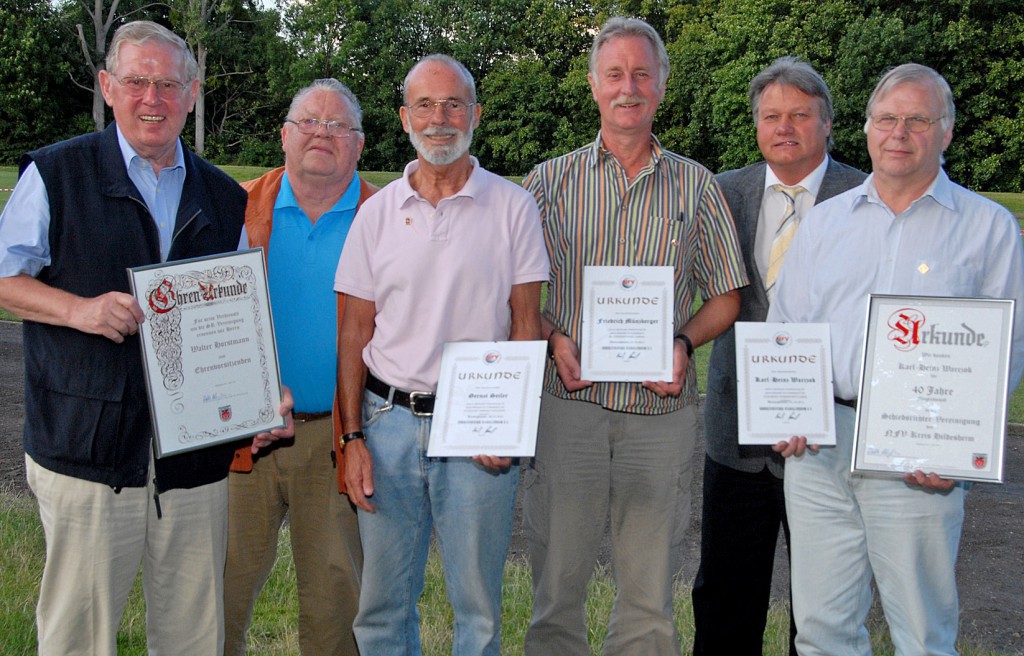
<point>300,214</point>
<point>907,230</point>
<point>84,211</point>
<point>622,450</point>
<point>448,253</point>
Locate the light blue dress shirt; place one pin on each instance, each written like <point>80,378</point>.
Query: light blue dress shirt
<point>25,221</point>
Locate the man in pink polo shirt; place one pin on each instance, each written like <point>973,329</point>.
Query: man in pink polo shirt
<point>450,252</point>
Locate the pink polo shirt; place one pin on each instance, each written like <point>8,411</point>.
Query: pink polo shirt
<point>441,274</point>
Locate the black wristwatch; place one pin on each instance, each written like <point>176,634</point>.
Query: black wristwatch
<point>354,435</point>
<point>687,343</point>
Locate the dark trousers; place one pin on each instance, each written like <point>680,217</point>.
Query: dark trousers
<point>741,516</point>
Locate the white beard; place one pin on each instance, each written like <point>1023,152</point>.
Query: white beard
<point>442,154</point>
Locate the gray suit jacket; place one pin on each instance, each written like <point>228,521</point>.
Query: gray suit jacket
<point>743,189</point>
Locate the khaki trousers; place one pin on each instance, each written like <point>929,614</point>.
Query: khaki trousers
<point>297,479</point>
<point>95,541</point>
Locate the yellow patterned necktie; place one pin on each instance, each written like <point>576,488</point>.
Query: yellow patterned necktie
<point>783,236</point>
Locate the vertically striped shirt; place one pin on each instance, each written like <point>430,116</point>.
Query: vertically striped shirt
<point>672,214</point>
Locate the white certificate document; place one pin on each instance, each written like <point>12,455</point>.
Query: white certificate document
<point>627,323</point>
<point>488,399</point>
<point>208,348</point>
<point>933,387</point>
<point>784,382</point>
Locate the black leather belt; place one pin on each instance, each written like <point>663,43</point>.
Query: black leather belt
<point>421,403</point>
<point>309,416</point>
<point>849,403</point>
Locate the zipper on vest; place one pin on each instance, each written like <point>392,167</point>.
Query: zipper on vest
<point>184,225</point>
<point>152,221</point>
<point>174,235</point>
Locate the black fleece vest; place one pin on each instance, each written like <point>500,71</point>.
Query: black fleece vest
<point>86,413</point>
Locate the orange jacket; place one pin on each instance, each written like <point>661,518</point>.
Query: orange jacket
<point>259,221</point>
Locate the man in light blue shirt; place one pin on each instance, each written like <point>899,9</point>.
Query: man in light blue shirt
<point>907,230</point>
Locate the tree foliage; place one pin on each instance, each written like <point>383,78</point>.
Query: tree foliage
<point>529,58</point>
<point>37,62</point>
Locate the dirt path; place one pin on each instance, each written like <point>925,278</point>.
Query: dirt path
<point>991,568</point>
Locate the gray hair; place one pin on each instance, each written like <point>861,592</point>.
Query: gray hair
<point>138,32</point>
<point>619,26</point>
<point>913,74</point>
<point>455,64</point>
<point>331,85</point>
<point>791,71</point>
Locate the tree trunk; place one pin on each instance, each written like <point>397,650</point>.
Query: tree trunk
<point>99,106</point>
<point>201,100</point>
<point>96,56</point>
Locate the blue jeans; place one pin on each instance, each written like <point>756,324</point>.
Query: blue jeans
<point>844,529</point>
<point>471,510</point>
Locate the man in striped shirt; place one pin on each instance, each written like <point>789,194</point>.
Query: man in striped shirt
<point>621,448</point>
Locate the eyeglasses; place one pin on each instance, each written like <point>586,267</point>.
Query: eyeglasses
<point>137,86</point>
<point>888,122</point>
<point>426,108</point>
<point>335,129</point>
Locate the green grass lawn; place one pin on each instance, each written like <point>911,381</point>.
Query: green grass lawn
<point>274,632</point>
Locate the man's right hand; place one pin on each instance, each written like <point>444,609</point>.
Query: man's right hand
<point>359,474</point>
<point>567,361</point>
<point>114,315</point>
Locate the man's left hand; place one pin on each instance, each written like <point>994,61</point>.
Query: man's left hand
<point>680,363</point>
<point>263,440</point>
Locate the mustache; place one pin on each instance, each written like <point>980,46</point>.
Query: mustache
<point>629,100</point>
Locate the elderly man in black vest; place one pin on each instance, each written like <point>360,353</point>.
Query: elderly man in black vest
<point>84,211</point>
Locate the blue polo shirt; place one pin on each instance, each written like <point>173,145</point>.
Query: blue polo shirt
<point>302,259</point>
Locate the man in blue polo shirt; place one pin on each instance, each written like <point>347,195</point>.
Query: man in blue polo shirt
<point>300,214</point>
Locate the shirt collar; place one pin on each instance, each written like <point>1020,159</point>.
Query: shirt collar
<point>129,154</point>
<point>597,151</point>
<point>940,190</point>
<point>347,202</point>
<point>811,182</point>
<point>470,189</point>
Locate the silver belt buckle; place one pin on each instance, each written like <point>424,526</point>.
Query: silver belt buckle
<point>414,397</point>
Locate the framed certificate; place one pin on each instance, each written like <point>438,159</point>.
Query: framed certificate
<point>488,399</point>
<point>933,387</point>
<point>784,382</point>
<point>627,323</point>
<point>208,348</point>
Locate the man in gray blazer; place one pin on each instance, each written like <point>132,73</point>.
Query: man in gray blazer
<point>743,496</point>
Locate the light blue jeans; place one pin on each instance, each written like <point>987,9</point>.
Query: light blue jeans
<point>845,528</point>
<point>471,510</point>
